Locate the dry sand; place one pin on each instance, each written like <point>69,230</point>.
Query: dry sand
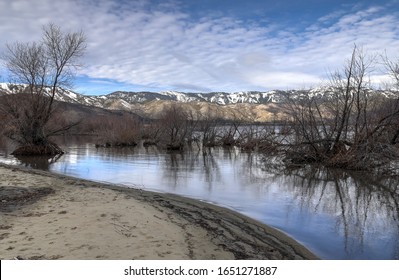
<point>49,216</point>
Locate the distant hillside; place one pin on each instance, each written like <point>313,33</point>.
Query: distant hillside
<point>250,105</point>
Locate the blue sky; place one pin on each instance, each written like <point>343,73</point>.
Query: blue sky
<point>209,45</point>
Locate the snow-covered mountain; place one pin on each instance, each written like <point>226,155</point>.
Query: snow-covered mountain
<point>224,98</point>
<point>220,98</point>
<point>124,100</point>
<point>247,106</point>
<point>61,95</point>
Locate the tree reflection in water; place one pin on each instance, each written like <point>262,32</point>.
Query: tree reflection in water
<point>364,207</point>
<point>192,161</point>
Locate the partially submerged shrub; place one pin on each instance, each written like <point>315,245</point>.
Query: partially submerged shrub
<point>176,127</point>
<point>121,131</point>
<point>48,149</point>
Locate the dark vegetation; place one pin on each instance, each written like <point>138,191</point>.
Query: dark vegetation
<point>176,130</point>
<point>43,66</point>
<point>350,128</point>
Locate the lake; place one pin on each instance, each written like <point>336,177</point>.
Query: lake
<point>336,214</point>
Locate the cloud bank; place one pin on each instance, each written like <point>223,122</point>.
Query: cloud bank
<point>147,46</point>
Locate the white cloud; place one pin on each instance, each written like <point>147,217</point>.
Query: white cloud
<point>161,46</point>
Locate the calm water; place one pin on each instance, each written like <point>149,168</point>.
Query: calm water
<point>335,214</point>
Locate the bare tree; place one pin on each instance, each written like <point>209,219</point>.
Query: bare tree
<point>392,68</point>
<point>177,127</point>
<point>346,128</point>
<point>43,67</point>
<point>208,129</point>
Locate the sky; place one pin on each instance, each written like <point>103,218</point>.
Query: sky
<point>209,45</point>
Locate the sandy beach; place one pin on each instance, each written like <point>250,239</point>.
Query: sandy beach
<point>50,216</point>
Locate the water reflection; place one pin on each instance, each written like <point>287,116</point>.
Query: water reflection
<point>364,208</point>
<point>211,169</point>
<point>338,215</point>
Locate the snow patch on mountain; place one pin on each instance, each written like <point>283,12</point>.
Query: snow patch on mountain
<point>124,100</point>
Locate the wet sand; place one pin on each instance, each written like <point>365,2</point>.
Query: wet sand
<point>50,216</point>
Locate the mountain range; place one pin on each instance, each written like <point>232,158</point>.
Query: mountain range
<point>249,105</point>
<point>220,98</point>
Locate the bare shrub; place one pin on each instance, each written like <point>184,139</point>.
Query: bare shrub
<point>151,133</point>
<point>229,134</point>
<point>255,137</point>
<point>208,128</point>
<point>177,127</point>
<point>249,139</point>
<point>118,131</point>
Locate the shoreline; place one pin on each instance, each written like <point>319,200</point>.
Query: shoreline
<point>55,216</point>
